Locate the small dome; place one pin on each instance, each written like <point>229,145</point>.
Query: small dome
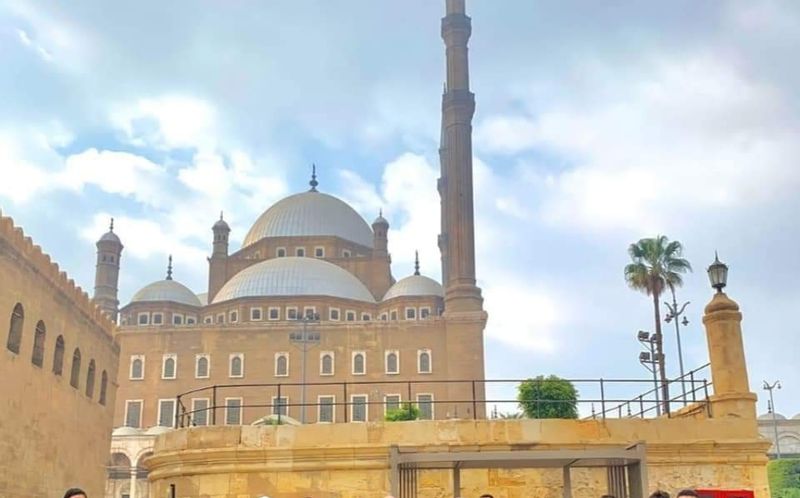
<point>157,429</point>
<point>294,277</point>
<point>126,431</point>
<point>415,285</point>
<point>380,220</point>
<point>221,225</point>
<point>309,214</point>
<point>768,416</point>
<point>110,237</point>
<point>167,290</point>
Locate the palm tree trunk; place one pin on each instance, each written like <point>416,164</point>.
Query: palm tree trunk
<point>662,369</point>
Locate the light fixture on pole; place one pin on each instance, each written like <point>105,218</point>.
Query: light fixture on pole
<point>718,274</point>
<point>650,360</point>
<point>305,340</point>
<point>769,387</point>
<point>675,313</point>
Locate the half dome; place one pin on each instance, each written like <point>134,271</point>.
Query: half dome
<point>167,290</point>
<point>415,285</point>
<point>294,277</point>
<point>768,416</point>
<point>309,214</point>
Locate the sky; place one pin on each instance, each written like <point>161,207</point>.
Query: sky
<point>597,124</point>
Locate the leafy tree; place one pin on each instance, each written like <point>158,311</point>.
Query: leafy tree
<point>656,265</point>
<point>548,397</point>
<point>784,478</point>
<point>407,411</point>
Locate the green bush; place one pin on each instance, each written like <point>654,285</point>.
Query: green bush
<point>784,478</point>
<point>548,397</point>
<point>405,412</point>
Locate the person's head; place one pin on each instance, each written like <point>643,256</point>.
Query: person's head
<point>688,493</point>
<point>75,493</point>
<point>659,494</point>
<point>487,495</point>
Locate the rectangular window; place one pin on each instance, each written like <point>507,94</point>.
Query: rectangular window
<point>255,314</point>
<point>365,317</point>
<point>280,252</point>
<point>202,366</point>
<point>393,315</point>
<point>300,252</point>
<point>190,320</point>
<point>291,313</point>
<point>166,412</point>
<point>177,319</point>
<point>384,317</point>
<point>424,313</point>
<point>319,252</point>
<point>346,253</point>
<point>133,413</point>
<point>280,405</point>
<point>169,366</point>
<point>158,318</point>
<point>199,411</point>
<point>359,362</point>
<point>325,407</point>
<point>391,402</point>
<point>143,319</point>
<point>411,313</point>
<point>333,314</point>
<point>350,316</point>
<point>208,319</point>
<point>233,411</point>
<point>221,318</point>
<point>233,316</point>
<point>137,367</point>
<point>274,313</point>
<point>310,312</point>
<point>359,407</point>
<point>236,365</point>
<point>425,405</point>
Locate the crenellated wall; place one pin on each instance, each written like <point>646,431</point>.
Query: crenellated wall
<point>53,434</point>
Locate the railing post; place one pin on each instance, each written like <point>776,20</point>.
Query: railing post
<point>177,411</point>
<point>708,402</point>
<point>278,403</point>
<point>694,388</point>
<point>641,405</point>
<point>344,386</point>
<point>214,405</point>
<point>602,399</point>
<point>409,394</point>
<point>474,402</point>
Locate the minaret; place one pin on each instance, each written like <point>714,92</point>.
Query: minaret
<point>457,240</point>
<point>221,231</point>
<point>106,277</point>
<point>380,239</point>
<point>218,262</point>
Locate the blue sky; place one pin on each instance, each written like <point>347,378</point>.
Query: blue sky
<point>597,124</point>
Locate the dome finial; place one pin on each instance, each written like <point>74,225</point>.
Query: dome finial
<point>380,212</point>
<point>416,262</point>
<point>220,216</point>
<point>313,181</point>
<point>169,268</point>
<point>111,225</point>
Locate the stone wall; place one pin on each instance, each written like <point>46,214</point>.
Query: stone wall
<point>52,435</point>
<point>352,460</point>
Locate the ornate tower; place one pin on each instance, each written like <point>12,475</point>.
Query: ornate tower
<point>457,239</point>
<point>218,262</point>
<point>106,277</point>
<point>380,230</point>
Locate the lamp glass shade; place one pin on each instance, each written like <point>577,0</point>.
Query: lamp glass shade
<point>718,274</point>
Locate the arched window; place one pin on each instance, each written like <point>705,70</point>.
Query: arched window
<point>103,387</point>
<point>137,368</point>
<point>168,367</point>
<point>90,379</point>
<point>58,356</point>
<point>75,376</point>
<point>281,365</point>
<point>424,361</point>
<point>358,364</point>
<point>15,329</point>
<point>326,364</point>
<point>391,363</point>
<point>201,368</point>
<point>37,358</point>
<point>236,367</point>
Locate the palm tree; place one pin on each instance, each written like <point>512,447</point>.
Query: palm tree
<point>657,265</point>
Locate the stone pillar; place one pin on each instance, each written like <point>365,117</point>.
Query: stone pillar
<point>732,396</point>
<point>133,482</point>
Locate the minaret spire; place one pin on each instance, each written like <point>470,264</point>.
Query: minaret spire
<point>457,239</point>
<point>416,262</point>
<point>169,268</point>
<point>313,181</point>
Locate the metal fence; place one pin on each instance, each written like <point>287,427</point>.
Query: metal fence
<point>598,398</point>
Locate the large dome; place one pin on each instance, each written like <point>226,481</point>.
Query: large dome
<point>167,290</point>
<point>294,277</point>
<point>310,213</point>
<point>415,285</point>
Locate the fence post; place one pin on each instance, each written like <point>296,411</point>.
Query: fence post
<point>641,405</point>
<point>177,411</point>
<point>474,403</point>
<point>344,385</point>
<point>694,388</point>
<point>602,399</point>
<point>708,402</point>
<point>278,402</point>
<point>409,394</point>
<point>214,405</point>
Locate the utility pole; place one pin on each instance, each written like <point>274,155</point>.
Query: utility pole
<point>305,341</point>
<point>769,387</point>
<point>675,314</point>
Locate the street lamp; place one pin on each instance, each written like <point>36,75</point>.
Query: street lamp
<point>769,387</point>
<point>305,340</point>
<point>675,313</point>
<point>650,360</point>
<point>718,274</point>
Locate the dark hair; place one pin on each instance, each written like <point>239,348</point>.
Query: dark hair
<point>487,495</point>
<point>688,492</point>
<point>608,496</point>
<point>74,492</point>
<point>659,494</point>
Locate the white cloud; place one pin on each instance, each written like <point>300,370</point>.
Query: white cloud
<point>169,121</point>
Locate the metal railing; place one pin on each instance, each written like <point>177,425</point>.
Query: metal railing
<point>615,398</point>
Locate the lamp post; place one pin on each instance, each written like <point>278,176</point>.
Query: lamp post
<point>650,360</point>
<point>769,387</point>
<point>718,274</point>
<point>305,341</point>
<point>675,313</point>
